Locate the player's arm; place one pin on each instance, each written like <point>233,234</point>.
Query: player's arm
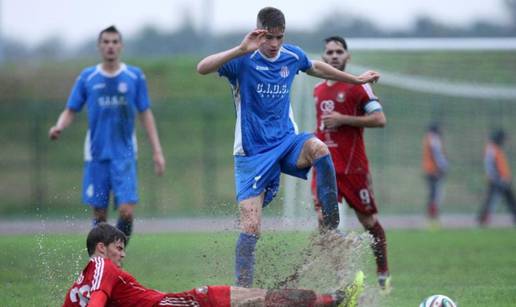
<point>148,122</point>
<point>372,120</point>
<point>325,71</point>
<point>251,42</point>
<point>97,299</point>
<point>65,119</point>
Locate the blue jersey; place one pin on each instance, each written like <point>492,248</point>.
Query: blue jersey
<point>113,101</point>
<point>261,89</point>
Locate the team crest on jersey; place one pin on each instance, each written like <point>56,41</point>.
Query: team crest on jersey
<point>284,72</point>
<point>341,96</point>
<point>122,87</point>
<point>327,106</point>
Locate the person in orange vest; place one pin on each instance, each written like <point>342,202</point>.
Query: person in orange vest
<point>435,166</point>
<point>499,177</point>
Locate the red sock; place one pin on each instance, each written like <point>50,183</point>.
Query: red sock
<point>379,247</point>
<point>324,300</point>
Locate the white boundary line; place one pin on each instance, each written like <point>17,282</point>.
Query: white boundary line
<point>206,224</point>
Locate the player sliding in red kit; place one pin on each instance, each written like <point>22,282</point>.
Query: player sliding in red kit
<point>104,283</point>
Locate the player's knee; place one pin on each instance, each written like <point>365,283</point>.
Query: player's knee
<point>315,149</point>
<point>126,214</point>
<point>319,149</point>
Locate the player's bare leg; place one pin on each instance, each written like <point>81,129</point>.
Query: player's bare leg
<point>379,246</point>
<point>315,153</point>
<point>250,225</point>
<point>346,295</point>
<point>125,219</point>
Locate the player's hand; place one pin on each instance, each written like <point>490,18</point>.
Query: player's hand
<point>253,40</point>
<point>369,76</point>
<point>54,133</point>
<point>159,164</point>
<point>333,120</point>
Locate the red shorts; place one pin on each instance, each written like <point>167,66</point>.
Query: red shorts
<point>356,189</point>
<point>208,296</point>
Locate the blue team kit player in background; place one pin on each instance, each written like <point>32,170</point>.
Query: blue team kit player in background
<point>114,93</point>
<point>267,143</point>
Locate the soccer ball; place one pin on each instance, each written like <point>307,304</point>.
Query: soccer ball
<point>437,300</point>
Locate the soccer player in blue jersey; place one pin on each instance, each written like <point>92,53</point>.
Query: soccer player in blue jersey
<point>261,71</point>
<point>114,93</point>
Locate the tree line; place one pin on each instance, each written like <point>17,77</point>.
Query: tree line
<point>154,42</point>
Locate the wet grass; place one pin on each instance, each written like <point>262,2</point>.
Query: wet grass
<point>473,267</point>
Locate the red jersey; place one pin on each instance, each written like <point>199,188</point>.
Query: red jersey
<point>121,288</point>
<point>346,143</point>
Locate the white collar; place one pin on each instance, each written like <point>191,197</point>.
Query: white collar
<point>113,74</point>
<point>271,59</point>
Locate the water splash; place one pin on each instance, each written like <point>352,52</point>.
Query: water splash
<point>59,261</point>
<point>326,263</point>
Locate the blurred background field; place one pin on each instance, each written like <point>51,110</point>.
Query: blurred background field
<point>195,118</point>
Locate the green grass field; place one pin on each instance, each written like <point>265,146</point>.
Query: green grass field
<point>474,267</point>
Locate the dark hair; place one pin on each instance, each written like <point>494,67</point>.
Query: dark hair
<point>434,127</point>
<point>270,18</point>
<point>498,136</point>
<point>110,29</point>
<point>338,39</point>
<point>105,233</point>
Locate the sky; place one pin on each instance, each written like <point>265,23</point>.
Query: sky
<point>33,21</point>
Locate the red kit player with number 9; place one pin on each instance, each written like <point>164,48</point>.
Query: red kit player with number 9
<point>343,111</point>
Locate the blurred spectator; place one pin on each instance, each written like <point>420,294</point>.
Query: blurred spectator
<point>435,166</point>
<point>499,177</point>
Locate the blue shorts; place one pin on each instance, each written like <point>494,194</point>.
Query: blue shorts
<point>261,172</point>
<point>103,177</point>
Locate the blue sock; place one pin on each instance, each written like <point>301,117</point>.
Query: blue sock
<point>327,191</point>
<point>244,260</point>
<point>126,226</point>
